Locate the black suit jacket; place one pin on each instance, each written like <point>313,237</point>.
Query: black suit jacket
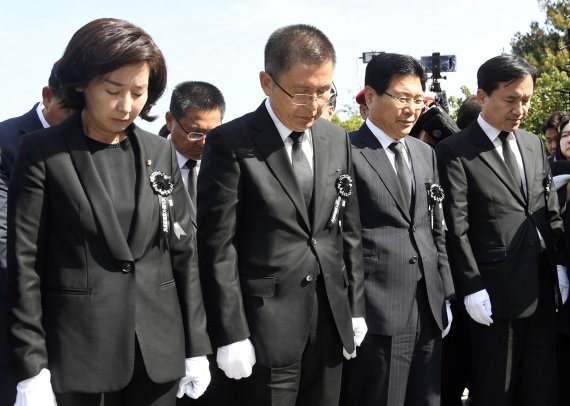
<point>260,252</point>
<point>398,243</point>
<point>80,289</point>
<point>493,241</point>
<point>11,132</point>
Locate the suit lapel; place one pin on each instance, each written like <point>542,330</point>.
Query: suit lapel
<point>95,191</point>
<point>321,154</point>
<point>489,155</point>
<point>378,160</point>
<point>267,139</point>
<point>418,164</point>
<point>145,198</point>
<point>527,155</point>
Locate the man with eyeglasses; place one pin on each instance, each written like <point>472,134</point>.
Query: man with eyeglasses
<point>408,280</point>
<point>279,235</point>
<point>195,109</point>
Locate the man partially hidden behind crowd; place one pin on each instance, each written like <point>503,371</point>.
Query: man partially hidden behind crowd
<point>44,114</point>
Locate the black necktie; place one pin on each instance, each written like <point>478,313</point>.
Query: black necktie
<point>403,171</point>
<point>302,168</point>
<point>191,184</point>
<point>510,160</point>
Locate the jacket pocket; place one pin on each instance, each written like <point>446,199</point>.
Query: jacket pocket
<point>68,291</point>
<point>259,287</point>
<point>490,256</point>
<point>167,283</point>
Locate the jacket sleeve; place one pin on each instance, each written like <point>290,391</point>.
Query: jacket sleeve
<point>26,258</point>
<point>184,258</point>
<point>352,246</point>
<point>456,211</point>
<point>219,190</point>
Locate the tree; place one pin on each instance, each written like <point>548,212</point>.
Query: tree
<point>352,121</point>
<point>541,47</point>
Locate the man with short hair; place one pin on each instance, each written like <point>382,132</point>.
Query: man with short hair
<point>505,233</point>
<point>196,108</point>
<point>550,131</point>
<point>279,234</point>
<point>408,281</point>
<point>46,113</point>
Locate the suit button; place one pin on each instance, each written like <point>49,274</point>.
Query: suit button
<point>309,278</point>
<point>530,212</point>
<point>531,243</point>
<point>413,229</point>
<point>313,242</point>
<point>126,267</point>
<point>413,260</point>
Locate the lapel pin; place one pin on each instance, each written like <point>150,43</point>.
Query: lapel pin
<point>148,162</point>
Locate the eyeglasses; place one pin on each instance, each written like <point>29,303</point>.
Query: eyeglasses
<point>299,99</point>
<point>406,101</point>
<point>192,135</point>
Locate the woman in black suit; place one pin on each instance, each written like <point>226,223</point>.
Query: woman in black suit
<point>102,264</point>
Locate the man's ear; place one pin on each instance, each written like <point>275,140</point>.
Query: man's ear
<point>47,96</point>
<point>266,82</point>
<point>169,121</point>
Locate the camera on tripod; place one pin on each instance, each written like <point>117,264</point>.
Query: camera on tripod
<point>435,64</point>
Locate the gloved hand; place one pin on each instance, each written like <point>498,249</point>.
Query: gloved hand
<point>359,329</point>
<point>478,306</point>
<point>236,359</point>
<point>36,391</point>
<point>563,282</point>
<point>449,318</point>
<point>197,377</point>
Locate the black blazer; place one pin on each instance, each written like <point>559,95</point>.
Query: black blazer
<point>492,242</point>
<point>398,244</point>
<point>11,132</point>
<point>79,290</point>
<point>260,252</point>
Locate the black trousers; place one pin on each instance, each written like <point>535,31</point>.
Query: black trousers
<point>312,381</point>
<point>141,391</point>
<point>403,369</point>
<point>514,360</point>
<point>456,357</point>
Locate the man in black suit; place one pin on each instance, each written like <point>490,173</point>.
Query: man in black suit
<point>46,113</point>
<point>279,234</point>
<point>408,281</point>
<point>504,230</point>
<point>196,108</point>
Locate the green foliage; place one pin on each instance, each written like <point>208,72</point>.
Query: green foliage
<point>351,115</point>
<point>456,102</point>
<point>541,47</point>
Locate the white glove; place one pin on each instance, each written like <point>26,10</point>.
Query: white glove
<point>563,282</point>
<point>36,391</point>
<point>478,306</point>
<point>449,318</point>
<point>197,377</point>
<point>359,329</point>
<point>236,359</point>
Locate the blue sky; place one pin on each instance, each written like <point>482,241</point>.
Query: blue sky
<point>222,41</point>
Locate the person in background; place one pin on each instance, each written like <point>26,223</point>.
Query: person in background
<point>468,112</point>
<point>408,281</point>
<point>505,240</point>
<point>551,132</point>
<point>279,234</point>
<point>196,108</point>
<point>560,165</point>
<point>362,108</point>
<point>48,112</point>
<point>104,288</point>
<point>330,107</point>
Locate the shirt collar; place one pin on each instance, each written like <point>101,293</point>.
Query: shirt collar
<point>179,157</point>
<point>284,132</point>
<point>384,139</point>
<point>40,112</point>
<point>491,132</point>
